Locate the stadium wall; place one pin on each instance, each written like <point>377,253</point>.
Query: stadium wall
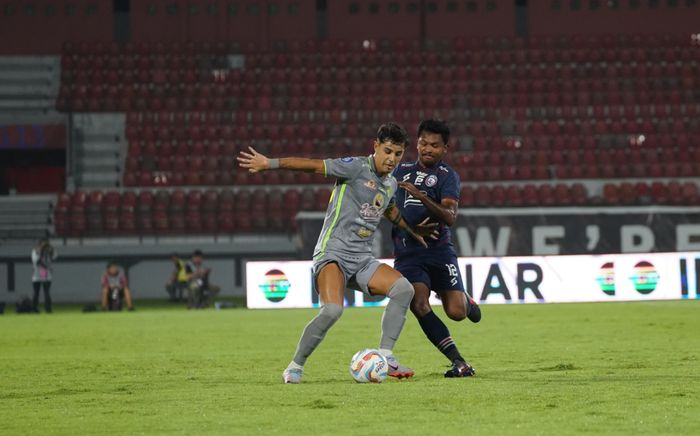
<point>42,26</point>
<point>80,264</point>
<point>552,230</point>
<point>258,22</point>
<point>612,17</point>
<point>369,19</point>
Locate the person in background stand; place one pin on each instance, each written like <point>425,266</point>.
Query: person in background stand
<point>42,257</point>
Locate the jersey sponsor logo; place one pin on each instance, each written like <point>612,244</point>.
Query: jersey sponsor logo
<point>420,176</point>
<point>364,232</point>
<point>431,181</point>
<point>406,177</point>
<point>370,213</point>
<point>443,168</point>
<point>347,159</point>
<point>371,184</point>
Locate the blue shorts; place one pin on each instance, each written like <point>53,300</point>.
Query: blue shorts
<point>438,270</point>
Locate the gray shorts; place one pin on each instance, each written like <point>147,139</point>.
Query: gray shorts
<point>357,269</point>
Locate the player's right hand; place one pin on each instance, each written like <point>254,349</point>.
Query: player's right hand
<point>253,161</point>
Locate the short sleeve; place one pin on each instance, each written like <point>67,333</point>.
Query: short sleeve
<point>103,280</point>
<point>343,168</point>
<point>124,281</point>
<point>450,187</point>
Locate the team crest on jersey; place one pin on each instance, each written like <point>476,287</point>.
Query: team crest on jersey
<point>371,184</point>
<point>431,181</point>
<point>378,201</point>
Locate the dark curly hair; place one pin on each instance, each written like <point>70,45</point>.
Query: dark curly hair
<point>435,126</point>
<point>393,133</point>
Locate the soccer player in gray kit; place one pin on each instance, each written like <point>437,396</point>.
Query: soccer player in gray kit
<point>363,192</point>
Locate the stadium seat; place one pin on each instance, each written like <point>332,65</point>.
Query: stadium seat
<point>533,115</point>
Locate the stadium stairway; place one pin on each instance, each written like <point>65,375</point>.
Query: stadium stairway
<point>29,84</point>
<point>99,151</point>
<point>26,216</point>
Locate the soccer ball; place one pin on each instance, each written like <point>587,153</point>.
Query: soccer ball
<point>368,366</point>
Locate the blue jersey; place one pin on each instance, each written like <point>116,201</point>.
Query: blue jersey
<point>438,182</point>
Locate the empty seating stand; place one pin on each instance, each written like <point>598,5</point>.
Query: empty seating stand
<point>531,120</point>
<point>179,212</point>
<point>546,108</point>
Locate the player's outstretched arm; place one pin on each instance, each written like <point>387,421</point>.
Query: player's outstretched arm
<point>393,214</point>
<point>256,162</point>
<point>445,212</point>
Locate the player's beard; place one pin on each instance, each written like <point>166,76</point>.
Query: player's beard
<point>428,160</point>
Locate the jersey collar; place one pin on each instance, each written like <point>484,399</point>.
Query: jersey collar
<point>433,168</point>
<point>370,159</point>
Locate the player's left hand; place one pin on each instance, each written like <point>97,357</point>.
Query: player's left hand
<point>254,161</point>
<point>420,239</point>
<point>427,229</point>
<point>411,189</point>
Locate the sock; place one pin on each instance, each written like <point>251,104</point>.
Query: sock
<point>315,331</point>
<point>439,335</point>
<point>386,353</point>
<point>400,296</point>
<point>294,365</point>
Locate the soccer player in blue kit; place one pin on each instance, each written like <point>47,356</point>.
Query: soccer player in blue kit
<point>430,188</point>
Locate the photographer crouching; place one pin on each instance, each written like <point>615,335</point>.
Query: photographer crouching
<point>115,289</point>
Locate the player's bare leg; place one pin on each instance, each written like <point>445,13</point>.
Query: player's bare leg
<point>387,281</point>
<point>330,285</point>
<point>459,305</point>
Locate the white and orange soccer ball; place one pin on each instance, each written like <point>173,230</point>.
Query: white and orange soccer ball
<point>368,366</point>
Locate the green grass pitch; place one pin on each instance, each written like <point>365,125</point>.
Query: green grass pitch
<point>620,368</point>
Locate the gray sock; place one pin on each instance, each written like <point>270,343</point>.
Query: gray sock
<point>400,296</point>
<point>316,330</point>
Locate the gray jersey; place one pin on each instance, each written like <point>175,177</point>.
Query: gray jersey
<point>357,204</point>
